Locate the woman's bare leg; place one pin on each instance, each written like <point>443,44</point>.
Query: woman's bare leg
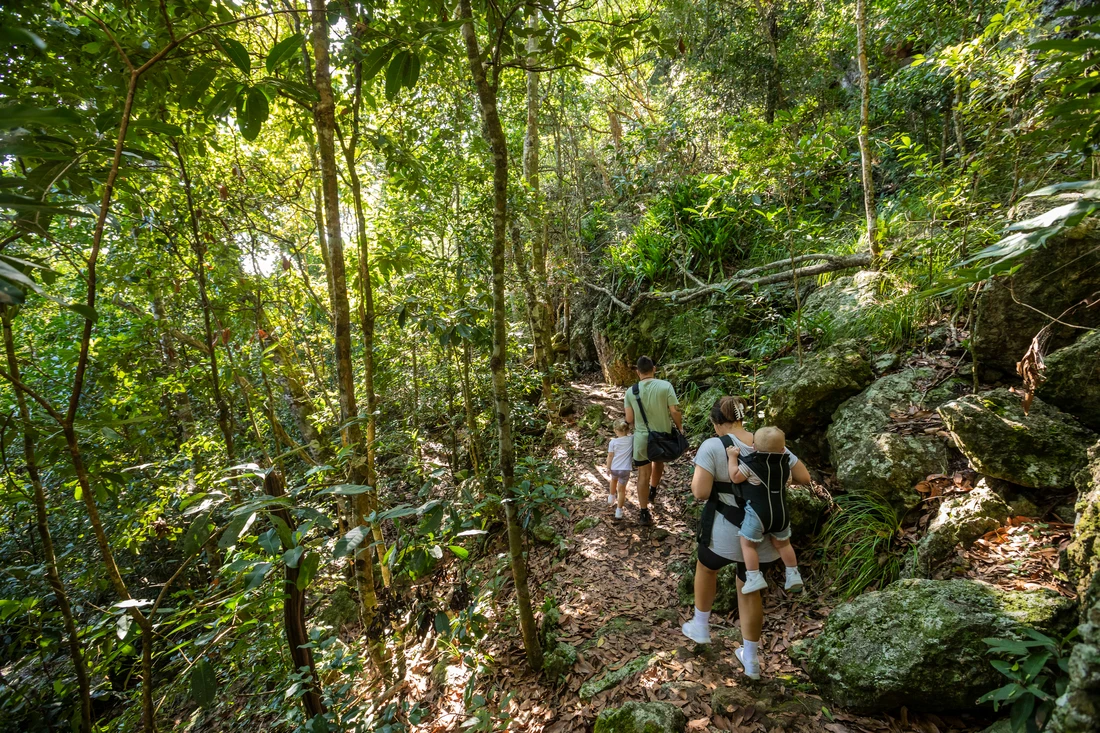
<point>706,585</point>
<point>750,612</point>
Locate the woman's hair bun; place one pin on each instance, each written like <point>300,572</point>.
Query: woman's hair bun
<point>728,410</point>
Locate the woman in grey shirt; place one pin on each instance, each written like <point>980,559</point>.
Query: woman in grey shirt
<point>724,547</point>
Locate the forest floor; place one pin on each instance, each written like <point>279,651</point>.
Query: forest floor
<point>616,587</point>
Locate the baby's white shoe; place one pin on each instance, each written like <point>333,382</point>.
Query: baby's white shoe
<point>754,581</point>
<point>794,580</point>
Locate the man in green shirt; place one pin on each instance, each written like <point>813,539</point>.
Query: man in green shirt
<point>662,409</point>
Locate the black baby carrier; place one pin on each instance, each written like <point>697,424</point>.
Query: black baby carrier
<point>660,446</point>
<point>768,498</point>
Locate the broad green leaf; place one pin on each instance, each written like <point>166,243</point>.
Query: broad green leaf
<point>238,54</point>
<point>375,60</point>
<point>198,81</point>
<point>1022,710</point>
<point>254,578</point>
<point>12,36</point>
<point>307,570</point>
<point>83,309</point>
<point>347,544</point>
<point>196,535</point>
<point>254,115</point>
<point>283,51</point>
<point>223,101</point>
<point>282,530</point>
<point>461,552</point>
<point>163,128</point>
<point>404,70</point>
<point>11,294</point>
<point>293,555</point>
<point>238,526</point>
<point>23,115</point>
<point>270,541</point>
<point>29,205</point>
<point>344,490</point>
<point>204,683</point>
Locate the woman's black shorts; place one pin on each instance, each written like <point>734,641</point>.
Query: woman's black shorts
<point>714,561</point>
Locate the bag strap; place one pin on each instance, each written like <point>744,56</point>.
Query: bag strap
<point>735,488</point>
<point>638,400</point>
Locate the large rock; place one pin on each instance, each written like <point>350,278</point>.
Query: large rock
<point>802,398</point>
<point>1078,709</point>
<point>869,459</point>
<point>959,520</point>
<point>1011,310</point>
<point>844,301</point>
<point>1082,557</point>
<point>918,643</point>
<point>1073,379</point>
<point>1041,450</point>
<point>641,717</point>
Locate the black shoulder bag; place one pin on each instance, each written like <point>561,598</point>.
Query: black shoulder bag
<point>662,446</point>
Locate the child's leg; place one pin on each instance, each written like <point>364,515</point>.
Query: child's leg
<point>786,552</point>
<point>622,492</point>
<point>752,557</point>
<point>613,492</point>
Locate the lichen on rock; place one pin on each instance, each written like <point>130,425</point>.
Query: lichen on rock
<point>918,643</point>
<point>1072,379</point>
<point>597,685</point>
<point>1043,449</point>
<point>802,397</point>
<point>869,459</point>
<point>641,717</point>
<point>959,520</point>
<point>559,660</point>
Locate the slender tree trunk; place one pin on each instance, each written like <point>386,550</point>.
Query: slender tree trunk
<point>773,92</point>
<point>499,362</point>
<point>865,131</point>
<point>542,315</point>
<point>76,649</point>
<point>225,423</point>
<point>324,114</point>
<point>366,323</point>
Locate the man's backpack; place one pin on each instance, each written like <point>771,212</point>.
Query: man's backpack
<point>662,446</point>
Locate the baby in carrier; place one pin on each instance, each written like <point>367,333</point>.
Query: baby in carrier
<point>762,477</point>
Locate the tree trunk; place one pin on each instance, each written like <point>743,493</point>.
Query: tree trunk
<point>324,115</point>
<point>224,420</point>
<point>498,364</point>
<point>76,649</point>
<point>865,131</point>
<point>773,92</point>
<point>542,316</point>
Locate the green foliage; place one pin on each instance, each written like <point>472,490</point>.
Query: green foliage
<point>1038,671</point>
<point>861,544</point>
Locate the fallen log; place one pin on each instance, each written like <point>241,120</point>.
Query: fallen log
<point>741,282</point>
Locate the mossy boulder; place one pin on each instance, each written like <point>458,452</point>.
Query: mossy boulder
<point>869,459</point>
<point>918,643</point>
<point>559,660</point>
<point>774,704</point>
<point>1078,709</point>
<point>844,301</point>
<point>544,534</point>
<point>1073,379</point>
<point>959,520</point>
<point>586,524</point>
<point>807,509</point>
<point>1043,449</point>
<point>641,717</point>
<point>341,609</point>
<point>595,686</point>
<point>1082,558</point>
<point>1049,280</point>
<point>802,397</point>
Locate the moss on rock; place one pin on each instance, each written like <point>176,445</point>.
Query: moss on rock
<point>870,460</point>
<point>960,519</point>
<point>585,524</point>
<point>1073,379</point>
<point>595,686</point>
<point>802,397</point>
<point>559,660</point>
<point>918,643</point>
<point>1041,450</point>
<point>641,717</point>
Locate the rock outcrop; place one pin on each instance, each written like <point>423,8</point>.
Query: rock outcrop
<point>869,459</point>
<point>1041,450</point>
<point>959,520</point>
<point>641,717</point>
<point>1010,310</point>
<point>1083,554</point>
<point>844,301</point>
<point>802,397</point>
<point>918,643</point>
<point>1073,379</point>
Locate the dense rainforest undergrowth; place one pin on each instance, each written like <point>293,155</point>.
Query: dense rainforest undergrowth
<point>316,317</point>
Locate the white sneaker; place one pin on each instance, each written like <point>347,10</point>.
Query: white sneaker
<point>618,512</point>
<point>752,669</point>
<point>754,581</point>
<point>611,499</point>
<point>697,632</point>
<point>794,580</point>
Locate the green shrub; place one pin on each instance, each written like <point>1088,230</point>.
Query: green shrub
<point>862,545</point>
